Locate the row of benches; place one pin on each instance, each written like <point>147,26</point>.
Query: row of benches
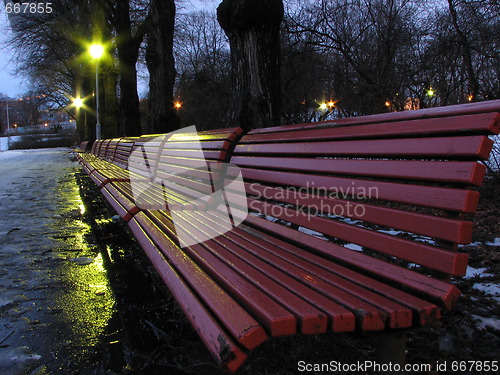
<point>353,225</point>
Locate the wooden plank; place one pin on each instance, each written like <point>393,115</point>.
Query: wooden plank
<point>341,319</point>
<point>363,302</point>
<point>338,187</point>
<point>429,256</point>
<point>244,236</point>
<point>437,112</point>
<point>122,205</point>
<point>207,154</point>
<point>471,173</point>
<point>276,319</point>
<point>485,123</point>
<point>311,320</point>
<point>443,293</point>
<point>247,331</point>
<point>459,231</point>
<point>222,347</point>
<point>472,147</point>
<point>370,308</point>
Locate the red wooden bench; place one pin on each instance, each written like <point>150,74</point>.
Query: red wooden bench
<point>353,225</point>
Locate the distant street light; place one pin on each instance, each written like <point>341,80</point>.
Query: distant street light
<point>96,51</point>
<point>177,105</point>
<point>430,92</point>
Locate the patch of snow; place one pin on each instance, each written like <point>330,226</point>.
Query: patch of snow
<point>413,265</point>
<point>312,233</point>
<point>354,247</point>
<point>495,243</point>
<point>476,272</point>
<point>477,243</point>
<point>391,232</point>
<point>483,322</point>
<point>489,288</point>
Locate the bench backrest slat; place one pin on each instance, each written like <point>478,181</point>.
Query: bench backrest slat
<point>469,173</point>
<point>435,115</point>
<point>478,147</point>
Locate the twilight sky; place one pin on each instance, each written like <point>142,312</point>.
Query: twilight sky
<point>14,86</point>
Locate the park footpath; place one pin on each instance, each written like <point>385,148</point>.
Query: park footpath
<point>55,300</point>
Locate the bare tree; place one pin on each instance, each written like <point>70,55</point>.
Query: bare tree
<point>373,41</point>
<point>203,63</point>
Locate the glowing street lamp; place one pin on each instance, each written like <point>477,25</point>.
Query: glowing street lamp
<point>78,102</point>
<point>430,92</point>
<point>96,51</point>
<point>177,105</point>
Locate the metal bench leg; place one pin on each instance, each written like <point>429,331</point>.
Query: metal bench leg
<point>391,349</point>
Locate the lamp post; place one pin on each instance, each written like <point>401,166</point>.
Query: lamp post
<point>8,117</point>
<point>96,51</point>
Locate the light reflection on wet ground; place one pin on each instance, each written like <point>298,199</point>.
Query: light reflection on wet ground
<point>77,294</point>
<point>55,299</point>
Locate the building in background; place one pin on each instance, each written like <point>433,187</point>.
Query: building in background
<point>11,113</point>
<point>25,115</point>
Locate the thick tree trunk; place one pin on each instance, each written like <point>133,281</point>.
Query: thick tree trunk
<point>466,52</point>
<point>108,103</point>
<point>128,52</point>
<point>253,29</point>
<point>162,116</point>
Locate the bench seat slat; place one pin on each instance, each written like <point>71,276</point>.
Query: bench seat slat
<point>220,344</point>
<point>341,319</point>
<point>103,176</point>
<point>311,320</point>
<point>425,311</point>
<point>242,326</point>
<point>472,147</point>
<point>276,319</point>
<point>438,291</point>
<point>339,290</point>
<point>471,173</point>
<point>371,309</point>
<point>436,197</point>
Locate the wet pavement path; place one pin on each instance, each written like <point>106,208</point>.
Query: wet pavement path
<point>77,294</point>
<point>55,301</point>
